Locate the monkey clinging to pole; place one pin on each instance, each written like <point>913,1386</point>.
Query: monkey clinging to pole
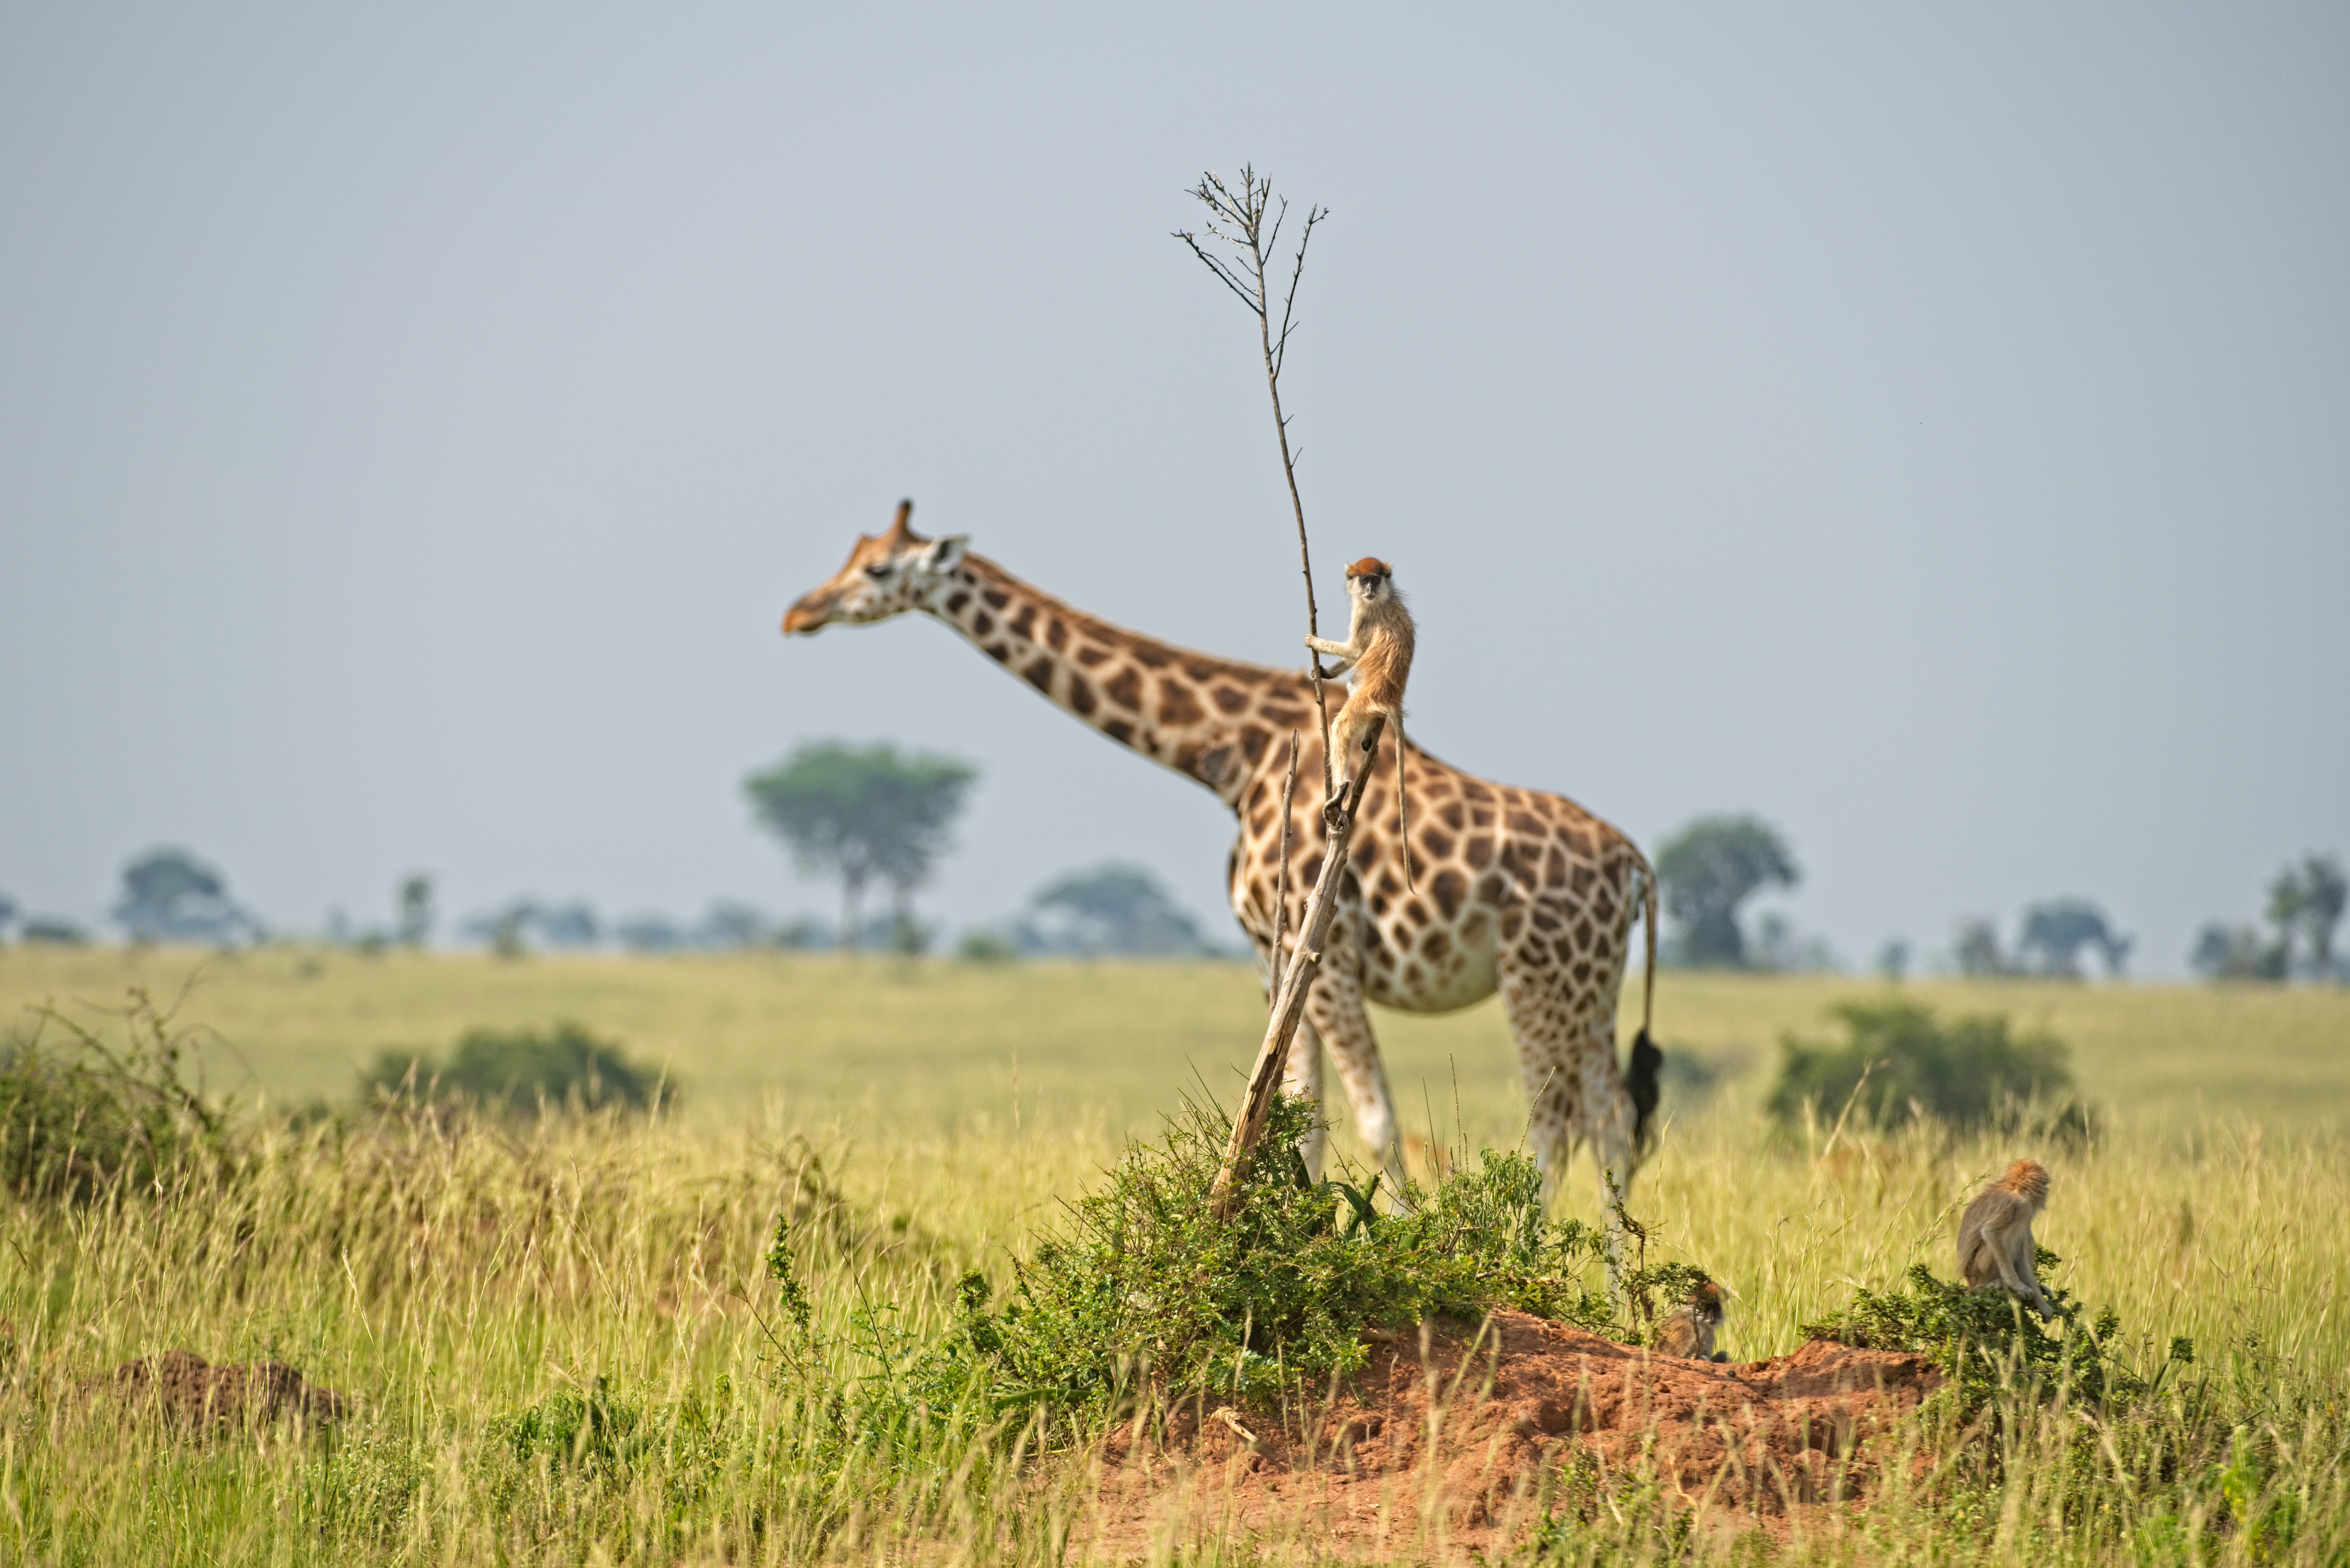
<point>1377,649</point>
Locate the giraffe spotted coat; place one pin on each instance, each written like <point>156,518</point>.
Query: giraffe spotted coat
<point>1518,890</point>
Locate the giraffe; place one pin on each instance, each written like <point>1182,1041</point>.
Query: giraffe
<point>1519,891</point>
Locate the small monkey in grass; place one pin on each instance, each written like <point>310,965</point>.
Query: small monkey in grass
<point>1379,650</point>
<point>1995,1244</point>
<point>1689,1329</point>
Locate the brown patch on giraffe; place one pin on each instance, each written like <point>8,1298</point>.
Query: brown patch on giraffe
<point>1286,717</point>
<point>1089,655</point>
<point>1024,623</point>
<point>1217,766</point>
<point>1436,844</point>
<point>1230,698</point>
<point>1125,689</point>
<point>1056,635</point>
<point>1200,670</point>
<point>1524,823</point>
<point>996,597</point>
<point>1119,730</point>
<point>1449,889</point>
<point>1040,675</point>
<point>998,652</point>
<point>1451,817</point>
<point>956,600</point>
<point>982,625</point>
<point>1081,693</point>
<point>1178,706</point>
<point>1149,656</point>
<point>1254,741</point>
<point>1435,945</point>
<point>1554,867</point>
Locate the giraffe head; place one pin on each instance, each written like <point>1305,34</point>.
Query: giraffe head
<point>886,575</point>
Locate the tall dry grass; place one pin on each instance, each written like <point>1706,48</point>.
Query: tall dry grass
<point>563,1341</point>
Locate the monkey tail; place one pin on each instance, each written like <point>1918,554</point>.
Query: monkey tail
<point>1403,828</point>
<point>1640,1081</point>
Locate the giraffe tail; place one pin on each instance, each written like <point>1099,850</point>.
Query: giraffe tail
<point>1640,1081</point>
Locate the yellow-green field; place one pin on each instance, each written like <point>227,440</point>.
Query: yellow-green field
<point>941,1041</point>
<point>453,1283</point>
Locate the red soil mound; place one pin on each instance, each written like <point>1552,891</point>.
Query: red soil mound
<point>1443,1441</point>
<point>186,1390</point>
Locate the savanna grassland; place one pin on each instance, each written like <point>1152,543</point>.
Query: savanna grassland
<point>573,1340</point>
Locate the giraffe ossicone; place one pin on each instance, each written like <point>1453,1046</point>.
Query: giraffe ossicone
<point>1519,891</point>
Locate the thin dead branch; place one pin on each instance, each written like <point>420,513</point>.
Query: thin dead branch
<point>1239,219</point>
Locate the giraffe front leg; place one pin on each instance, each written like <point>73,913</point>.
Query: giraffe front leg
<point>1335,1009</point>
<point>1301,1079</point>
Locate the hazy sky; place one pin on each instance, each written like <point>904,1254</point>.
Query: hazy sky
<point>1928,428</point>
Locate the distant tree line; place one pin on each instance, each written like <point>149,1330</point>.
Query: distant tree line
<point>2305,903</point>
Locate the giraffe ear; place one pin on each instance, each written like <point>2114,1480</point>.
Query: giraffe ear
<point>945,554</point>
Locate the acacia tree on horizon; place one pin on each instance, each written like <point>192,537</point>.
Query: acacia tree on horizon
<point>1709,869</point>
<point>863,813</point>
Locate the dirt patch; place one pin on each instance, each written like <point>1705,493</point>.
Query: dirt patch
<point>184,1390</point>
<point>1444,1444</point>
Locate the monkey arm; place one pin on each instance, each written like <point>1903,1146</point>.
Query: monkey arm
<point>1343,652</point>
<point>2011,1249</point>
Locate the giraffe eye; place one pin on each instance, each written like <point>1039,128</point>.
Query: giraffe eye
<point>877,570</point>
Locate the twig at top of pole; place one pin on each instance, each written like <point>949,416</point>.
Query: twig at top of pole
<point>1237,219</point>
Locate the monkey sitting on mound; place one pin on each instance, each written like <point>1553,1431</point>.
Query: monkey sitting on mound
<point>1379,650</point>
<point>1689,1329</point>
<point>1995,1244</point>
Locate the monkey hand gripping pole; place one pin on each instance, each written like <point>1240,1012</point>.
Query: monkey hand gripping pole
<point>1291,982</point>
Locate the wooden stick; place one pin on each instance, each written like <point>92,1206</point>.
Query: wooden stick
<point>1289,1003</point>
<point>1280,886</point>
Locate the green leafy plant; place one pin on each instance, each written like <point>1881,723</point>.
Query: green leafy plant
<point>1986,1342</point>
<point>1141,1284</point>
<point>513,1071</point>
<point>1898,1061</point>
<point>80,1116</point>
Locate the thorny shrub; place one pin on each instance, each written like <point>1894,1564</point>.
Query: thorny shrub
<point>1140,1283</point>
<point>80,1118</point>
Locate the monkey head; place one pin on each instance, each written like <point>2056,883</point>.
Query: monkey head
<point>1707,1299</point>
<point>2028,1180</point>
<point>886,575</point>
<point>1370,579</point>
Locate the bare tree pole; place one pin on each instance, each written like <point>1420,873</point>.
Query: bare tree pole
<point>1281,886</point>
<point>1289,1002</point>
<point>1238,219</point>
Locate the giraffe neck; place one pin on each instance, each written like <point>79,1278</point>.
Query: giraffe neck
<point>1211,719</point>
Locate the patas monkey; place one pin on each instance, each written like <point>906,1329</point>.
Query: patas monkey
<point>1689,1329</point>
<point>1379,650</point>
<point>1995,1234</point>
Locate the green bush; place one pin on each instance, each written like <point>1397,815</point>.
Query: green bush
<point>1898,1061</point>
<point>1141,1286</point>
<point>1984,1341</point>
<point>79,1117</point>
<point>514,1071</point>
